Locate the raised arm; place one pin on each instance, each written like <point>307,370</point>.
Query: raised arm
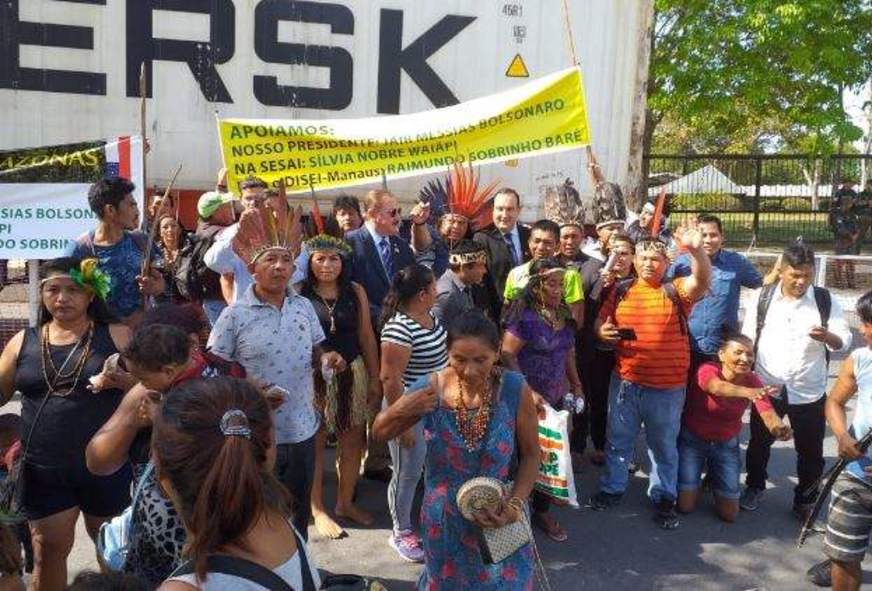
<point>697,284</point>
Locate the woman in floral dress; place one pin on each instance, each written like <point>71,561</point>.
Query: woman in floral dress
<point>473,414</point>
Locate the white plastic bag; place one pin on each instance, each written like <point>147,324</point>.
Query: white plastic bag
<point>555,477</point>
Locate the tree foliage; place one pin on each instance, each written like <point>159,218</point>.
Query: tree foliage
<point>756,75</point>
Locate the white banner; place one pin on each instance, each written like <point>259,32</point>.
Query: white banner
<point>44,193</point>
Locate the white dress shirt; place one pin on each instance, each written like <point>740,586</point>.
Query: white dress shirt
<point>786,355</point>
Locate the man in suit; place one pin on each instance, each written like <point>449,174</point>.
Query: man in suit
<point>378,252</point>
<point>460,287</point>
<point>506,241</point>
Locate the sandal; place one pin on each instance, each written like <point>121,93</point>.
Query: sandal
<point>550,526</point>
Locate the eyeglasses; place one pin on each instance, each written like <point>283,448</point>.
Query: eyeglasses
<point>393,212</point>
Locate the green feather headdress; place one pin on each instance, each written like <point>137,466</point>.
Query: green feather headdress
<point>325,242</point>
<point>90,276</point>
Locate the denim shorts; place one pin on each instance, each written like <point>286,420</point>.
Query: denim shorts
<point>723,459</point>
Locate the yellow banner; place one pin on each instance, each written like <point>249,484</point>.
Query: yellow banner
<point>544,116</point>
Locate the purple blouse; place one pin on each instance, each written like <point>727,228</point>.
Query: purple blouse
<point>543,357</point>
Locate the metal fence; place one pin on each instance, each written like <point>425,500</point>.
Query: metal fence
<point>762,199</point>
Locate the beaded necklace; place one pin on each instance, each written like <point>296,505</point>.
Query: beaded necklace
<point>472,423</point>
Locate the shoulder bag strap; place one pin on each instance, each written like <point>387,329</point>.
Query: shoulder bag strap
<point>251,571</point>
<point>237,567</point>
<point>672,294</point>
<point>766,293</point>
<point>824,302</point>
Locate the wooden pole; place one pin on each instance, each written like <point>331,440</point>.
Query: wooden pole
<point>143,124</point>
<point>146,260</point>
<point>570,41</point>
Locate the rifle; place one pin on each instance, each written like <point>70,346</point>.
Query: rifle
<point>829,479</point>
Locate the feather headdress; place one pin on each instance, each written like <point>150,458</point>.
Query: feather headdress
<point>609,205</point>
<point>461,195</point>
<point>266,228</point>
<point>563,205</point>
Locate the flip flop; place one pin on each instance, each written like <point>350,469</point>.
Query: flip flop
<point>550,526</point>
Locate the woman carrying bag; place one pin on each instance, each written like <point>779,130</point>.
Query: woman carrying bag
<point>52,366</point>
<point>474,416</point>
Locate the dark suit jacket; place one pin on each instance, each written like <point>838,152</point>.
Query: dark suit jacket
<point>451,301</point>
<point>367,268</point>
<point>499,263</point>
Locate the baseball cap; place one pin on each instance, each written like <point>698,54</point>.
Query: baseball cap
<point>209,203</point>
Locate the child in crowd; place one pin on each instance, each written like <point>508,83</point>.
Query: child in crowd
<point>17,537</point>
<point>712,420</point>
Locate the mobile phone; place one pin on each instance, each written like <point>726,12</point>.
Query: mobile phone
<point>626,334</point>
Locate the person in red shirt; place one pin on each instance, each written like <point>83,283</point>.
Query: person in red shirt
<point>716,400</point>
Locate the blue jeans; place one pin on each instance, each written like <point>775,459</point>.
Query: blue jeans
<point>724,464</point>
<point>408,466</point>
<point>630,406</point>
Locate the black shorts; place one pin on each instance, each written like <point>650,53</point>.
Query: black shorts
<point>52,489</point>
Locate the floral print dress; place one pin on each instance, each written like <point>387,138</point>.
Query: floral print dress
<point>451,543</point>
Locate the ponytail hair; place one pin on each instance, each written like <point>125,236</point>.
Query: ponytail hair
<point>407,284</point>
<point>210,441</point>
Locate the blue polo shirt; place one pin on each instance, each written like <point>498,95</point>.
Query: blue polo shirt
<point>720,307</point>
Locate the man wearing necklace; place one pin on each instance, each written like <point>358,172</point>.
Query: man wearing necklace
<point>276,336</point>
<point>646,320</point>
<point>52,366</point>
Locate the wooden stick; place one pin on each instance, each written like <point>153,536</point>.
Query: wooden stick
<point>143,124</point>
<point>570,41</point>
<point>658,212</point>
<point>149,246</point>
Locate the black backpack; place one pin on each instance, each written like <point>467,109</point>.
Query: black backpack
<point>194,280</point>
<point>623,286</point>
<point>822,299</point>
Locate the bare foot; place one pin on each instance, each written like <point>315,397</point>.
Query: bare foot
<point>355,514</point>
<point>327,527</point>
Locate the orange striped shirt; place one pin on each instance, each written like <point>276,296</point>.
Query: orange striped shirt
<point>660,355</point>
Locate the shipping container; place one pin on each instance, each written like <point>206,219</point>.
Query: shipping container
<point>69,71</point>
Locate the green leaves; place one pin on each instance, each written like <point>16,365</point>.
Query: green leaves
<point>753,74</point>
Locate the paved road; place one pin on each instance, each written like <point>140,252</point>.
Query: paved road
<point>620,549</point>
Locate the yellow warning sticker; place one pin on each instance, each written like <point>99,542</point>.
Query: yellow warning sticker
<point>517,69</point>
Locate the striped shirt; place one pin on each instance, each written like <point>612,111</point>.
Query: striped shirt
<point>660,355</point>
<point>429,351</point>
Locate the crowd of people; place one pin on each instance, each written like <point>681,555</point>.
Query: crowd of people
<point>197,379</point>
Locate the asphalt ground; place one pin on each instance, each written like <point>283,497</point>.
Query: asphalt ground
<point>618,549</point>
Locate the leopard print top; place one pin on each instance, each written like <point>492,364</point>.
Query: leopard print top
<point>156,548</point>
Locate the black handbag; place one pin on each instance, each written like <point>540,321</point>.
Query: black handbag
<point>12,487</point>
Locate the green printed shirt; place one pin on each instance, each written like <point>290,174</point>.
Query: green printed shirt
<point>520,275</point>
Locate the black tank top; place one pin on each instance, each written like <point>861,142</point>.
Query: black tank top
<point>345,340</point>
<point>67,423</point>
